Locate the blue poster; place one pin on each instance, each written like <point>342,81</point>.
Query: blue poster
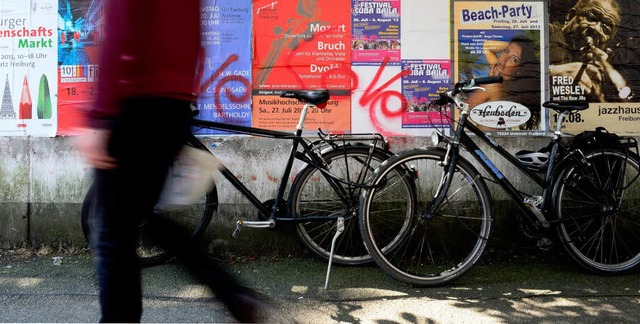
<point>224,76</point>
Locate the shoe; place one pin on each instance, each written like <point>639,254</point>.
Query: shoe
<point>247,307</point>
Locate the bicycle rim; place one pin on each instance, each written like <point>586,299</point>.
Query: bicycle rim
<point>598,207</point>
<point>410,245</point>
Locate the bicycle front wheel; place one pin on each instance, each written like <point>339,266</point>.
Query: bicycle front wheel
<point>430,249</point>
<point>598,207</point>
<point>318,205</point>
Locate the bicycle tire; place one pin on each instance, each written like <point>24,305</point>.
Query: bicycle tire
<point>433,250</point>
<point>195,218</point>
<point>312,196</point>
<point>597,204</point>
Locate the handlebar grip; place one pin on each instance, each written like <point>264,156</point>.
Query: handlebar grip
<point>488,80</point>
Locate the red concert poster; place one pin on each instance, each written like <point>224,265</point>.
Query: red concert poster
<point>301,44</point>
<point>299,41</point>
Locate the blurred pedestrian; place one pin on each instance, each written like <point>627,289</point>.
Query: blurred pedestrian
<point>148,64</point>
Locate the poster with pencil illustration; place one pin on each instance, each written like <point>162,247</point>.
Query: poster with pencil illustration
<point>28,87</point>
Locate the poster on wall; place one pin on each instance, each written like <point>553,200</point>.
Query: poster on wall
<point>378,102</point>
<point>301,44</point>
<point>502,39</point>
<point>375,31</point>
<point>594,55</point>
<point>79,37</point>
<point>27,68</point>
<point>224,86</point>
<point>427,79</point>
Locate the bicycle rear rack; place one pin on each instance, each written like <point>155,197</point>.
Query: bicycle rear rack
<point>373,139</point>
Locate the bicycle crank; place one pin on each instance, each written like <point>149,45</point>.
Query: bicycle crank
<point>253,224</point>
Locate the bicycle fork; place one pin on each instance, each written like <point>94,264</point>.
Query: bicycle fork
<point>449,165</point>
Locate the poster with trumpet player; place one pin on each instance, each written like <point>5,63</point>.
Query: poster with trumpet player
<point>594,55</point>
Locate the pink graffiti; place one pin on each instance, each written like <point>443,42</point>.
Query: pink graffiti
<point>202,86</point>
<point>372,99</point>
<point>380,96</point>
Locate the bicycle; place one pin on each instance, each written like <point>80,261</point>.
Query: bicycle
<point>589,193</point>
<point>322,201</point>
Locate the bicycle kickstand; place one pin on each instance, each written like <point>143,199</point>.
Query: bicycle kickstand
<point>339,230</point>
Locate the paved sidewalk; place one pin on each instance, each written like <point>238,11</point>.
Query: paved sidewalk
<point>34,289</point>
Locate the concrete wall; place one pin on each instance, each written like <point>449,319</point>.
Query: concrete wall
<point>43,182</point>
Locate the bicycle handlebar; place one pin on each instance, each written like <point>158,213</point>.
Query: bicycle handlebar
<point>466,86</point>
<point>488,80</point>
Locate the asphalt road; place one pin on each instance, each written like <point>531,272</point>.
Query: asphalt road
<point>33,288</point>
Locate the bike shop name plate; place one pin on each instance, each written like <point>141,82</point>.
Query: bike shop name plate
<point>500,114</point>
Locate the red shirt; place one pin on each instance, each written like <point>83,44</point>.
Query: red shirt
<point>150,48</point>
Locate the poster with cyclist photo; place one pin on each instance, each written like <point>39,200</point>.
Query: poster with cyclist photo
<point>502,40</point>
<point>594,55</point>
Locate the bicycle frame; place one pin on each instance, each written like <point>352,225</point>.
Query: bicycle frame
<point>308,155</point>
<point>531,211</point>
<point>501,180</point>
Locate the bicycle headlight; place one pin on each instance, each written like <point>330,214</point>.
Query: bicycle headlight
<point>435,138</point>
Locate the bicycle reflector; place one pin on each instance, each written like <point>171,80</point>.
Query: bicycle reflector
<point>323,105</point>
<point>414,171</point>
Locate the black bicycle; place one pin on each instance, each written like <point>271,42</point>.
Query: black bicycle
<point>322,201</point>
<point>589,194</point>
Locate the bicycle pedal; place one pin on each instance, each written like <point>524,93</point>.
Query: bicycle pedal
<point>236,232</point>
<point>545,244</point>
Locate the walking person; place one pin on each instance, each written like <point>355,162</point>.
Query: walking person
<point>148,64</point>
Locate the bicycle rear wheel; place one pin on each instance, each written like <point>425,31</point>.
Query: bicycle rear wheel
<point>429,250</point>
<point>598,207</point>
<point>194,219</point>
<point>313,196</point>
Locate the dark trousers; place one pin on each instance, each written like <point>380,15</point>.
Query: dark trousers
<point>145,139</point>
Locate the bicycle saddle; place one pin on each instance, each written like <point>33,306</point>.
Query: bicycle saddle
<point>316,97</point>
<point>561,106</point>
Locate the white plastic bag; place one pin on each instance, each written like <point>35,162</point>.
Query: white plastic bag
<point>193,174</point>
